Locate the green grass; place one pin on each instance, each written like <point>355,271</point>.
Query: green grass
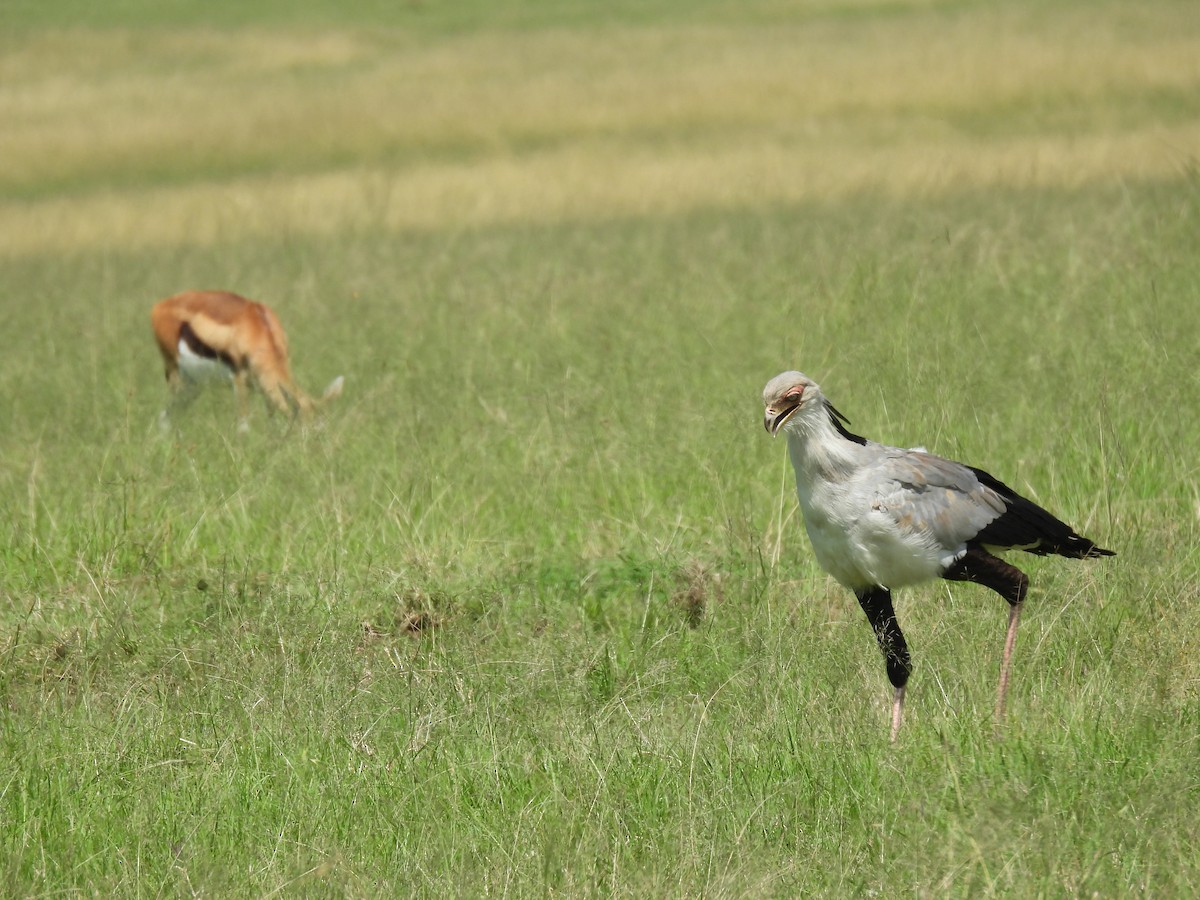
<point>531,611</point>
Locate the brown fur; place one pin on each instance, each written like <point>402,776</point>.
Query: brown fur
<point>246,336</point>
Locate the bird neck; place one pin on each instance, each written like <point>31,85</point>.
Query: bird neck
<point>818,450</point>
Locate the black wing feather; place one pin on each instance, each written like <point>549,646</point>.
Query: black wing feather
<point>1027,526</point>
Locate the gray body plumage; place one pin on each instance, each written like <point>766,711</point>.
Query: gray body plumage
<point>888,517</point>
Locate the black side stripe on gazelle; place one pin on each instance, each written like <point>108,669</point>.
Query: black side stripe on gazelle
<point>197,346</point>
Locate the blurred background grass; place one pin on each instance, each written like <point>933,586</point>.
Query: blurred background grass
<point>188,131</point>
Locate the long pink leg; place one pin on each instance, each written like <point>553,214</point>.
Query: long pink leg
<point>897,711</point>
<point>1010,641</point>
<point>1009,582</point>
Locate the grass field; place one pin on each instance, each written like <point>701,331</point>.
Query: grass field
<point>531,610</point>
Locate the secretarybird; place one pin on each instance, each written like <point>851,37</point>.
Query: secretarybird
<point>881,518</point>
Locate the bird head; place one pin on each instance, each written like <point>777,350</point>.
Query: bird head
<point>786,395</point>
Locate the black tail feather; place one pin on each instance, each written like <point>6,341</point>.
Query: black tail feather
<point>1026,526</point>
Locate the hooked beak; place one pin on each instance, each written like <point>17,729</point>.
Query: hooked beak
<point>775,418</point>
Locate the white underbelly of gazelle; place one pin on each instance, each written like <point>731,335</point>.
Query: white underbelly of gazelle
<point>197,368</point>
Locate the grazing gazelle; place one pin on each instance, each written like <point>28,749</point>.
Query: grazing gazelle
<point>214,334</point>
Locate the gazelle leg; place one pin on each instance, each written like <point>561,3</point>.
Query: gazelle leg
<point>277,394</point>
<point>241,390</point>
<point>183,392</point>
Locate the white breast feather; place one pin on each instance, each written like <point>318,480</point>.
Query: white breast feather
<point>859,543</point>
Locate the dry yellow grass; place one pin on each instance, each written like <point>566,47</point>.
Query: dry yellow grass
<point>255,132</point>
